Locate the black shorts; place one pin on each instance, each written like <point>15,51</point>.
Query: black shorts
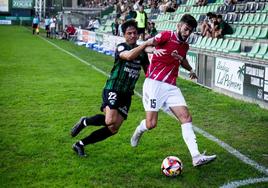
<point>35,26</point>
<point>47,27</point>
<point>116,100</point>
<point>141,31</point>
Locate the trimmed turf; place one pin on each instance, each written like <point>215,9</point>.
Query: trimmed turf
<point>44,91</point>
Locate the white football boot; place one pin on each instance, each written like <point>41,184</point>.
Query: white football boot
<point>135,138</point>
<point>202,159</point>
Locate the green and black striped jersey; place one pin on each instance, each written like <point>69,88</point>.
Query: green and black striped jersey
<point>125,74</point>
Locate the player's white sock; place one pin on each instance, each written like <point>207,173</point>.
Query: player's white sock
<point>138,132</point>
<point>190,138</point>
<point>142,127</point>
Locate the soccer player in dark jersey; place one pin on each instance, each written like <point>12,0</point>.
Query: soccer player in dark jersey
<point>117,92</point>
<point>160,90</point>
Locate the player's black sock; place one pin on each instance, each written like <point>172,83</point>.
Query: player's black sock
<point>97,136</point>
<point>97,120</point>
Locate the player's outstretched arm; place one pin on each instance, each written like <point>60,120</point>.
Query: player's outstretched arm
<point>135,52</point>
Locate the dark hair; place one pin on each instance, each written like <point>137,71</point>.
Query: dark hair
<point>209,14</point>
<point>214,16</point>
<point>189,20</point>
<point>129,23</point>
<point>219,16</point>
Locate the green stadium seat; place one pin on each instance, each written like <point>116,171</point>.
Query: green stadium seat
<point>266,20</point>
<point>207,43</point>
<point>237,47</point>
<point>180,10</point>
<point>243,32</point>
<point>256,19</point>
<point>218,44</point>
<point>264,33</point>
<point>253,51</point>
<point>262,51</point>
<point>244,19</point>
<point>257,32</point>
<point>236,33</point>
<point>223,45</point>
<point>250,19</point>
<point>265,8</point>
<point>262,19</point>
<point>229,46</point>
<point>203,42</point>
<point>212,44</point>
<point>249,33</point>
<point>198,42</point>
<point>265,56</point>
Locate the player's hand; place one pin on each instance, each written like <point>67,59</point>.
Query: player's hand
<point>192,75</point>
<point>159,52</point>
<point>149,42</point>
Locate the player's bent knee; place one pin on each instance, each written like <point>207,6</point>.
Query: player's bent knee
<point>110,121</point>
<point>113,129</point>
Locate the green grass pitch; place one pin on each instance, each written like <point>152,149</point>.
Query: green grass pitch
<point>44,91</point>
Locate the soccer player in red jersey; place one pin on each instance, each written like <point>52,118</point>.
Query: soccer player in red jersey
<point>160,90</point>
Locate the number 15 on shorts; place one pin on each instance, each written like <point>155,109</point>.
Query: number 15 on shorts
<point>153,103</point>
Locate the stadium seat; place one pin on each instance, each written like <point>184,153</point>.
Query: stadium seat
<point>238,18</point>
<point>266,20</point>
<point>247,8</point>
<point>218,44</point>
<point>223,45</point>
<point>208,42</point>
<point>229,46</point>
<point>257,32</point>
<point>265,8</point>
<point>255,19</point>
<point>203,42</point>
<point>265,56</point>
<point>198,42</point>
<point>264,33</point>
<point>212,44</point>
<point>249,33</point>
<point>244,19</point>
<point>262,19</point>
<point>253,51</point>
<point>237,47</point>
<point>236,33</point>
<point>231,8</point>
<point>250,19</point>
<point>262,51</point>
<point>244,31</point>
<point>260,7</point>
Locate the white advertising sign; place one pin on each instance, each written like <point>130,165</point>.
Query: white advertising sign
<point>229,75</point>
<point>4,6</point>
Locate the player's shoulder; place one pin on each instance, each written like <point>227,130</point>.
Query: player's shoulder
<point>163,34</point>
<point>121,47</point>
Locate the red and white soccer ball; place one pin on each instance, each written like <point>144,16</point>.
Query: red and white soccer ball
<point>171,166</point>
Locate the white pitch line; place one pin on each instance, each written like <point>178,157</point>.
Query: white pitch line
<point>239,183</point>
<point>227,147</point>
<point>233,151</point>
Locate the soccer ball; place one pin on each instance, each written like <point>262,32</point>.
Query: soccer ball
<point>171,166</point>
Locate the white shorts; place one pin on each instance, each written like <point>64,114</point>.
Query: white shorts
<point>158,95</point>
